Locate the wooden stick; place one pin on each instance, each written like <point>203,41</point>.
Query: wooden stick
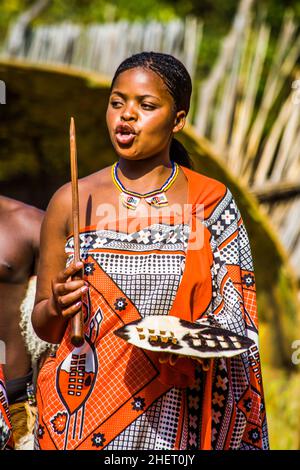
<point>77,338</point>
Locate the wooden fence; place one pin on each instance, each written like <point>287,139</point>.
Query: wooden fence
<point>248,106</point>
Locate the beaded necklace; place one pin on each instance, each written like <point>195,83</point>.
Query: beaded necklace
<point>157,198</point>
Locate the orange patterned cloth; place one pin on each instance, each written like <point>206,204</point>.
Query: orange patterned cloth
<point>111,395</point>
<point>6,440</point>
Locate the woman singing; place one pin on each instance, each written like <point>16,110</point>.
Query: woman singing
<point>142,255</point>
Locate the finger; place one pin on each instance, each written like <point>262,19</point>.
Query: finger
<point>70,286</point>
<point>168,358</point>
<point>72,310</point>
<point>73,297</point>
<point>173,358</point>
<point>164,358</point>
<point>198,360</point>
<point>72,269</point>
<point>205,363</point>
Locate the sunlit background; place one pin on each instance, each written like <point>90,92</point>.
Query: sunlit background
<point>56,61</point>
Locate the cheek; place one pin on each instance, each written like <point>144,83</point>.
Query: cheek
<point>109,118</point>
<point>157,126</point>
<point>112,117</point>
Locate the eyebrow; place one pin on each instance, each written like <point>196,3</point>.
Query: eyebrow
<point>123,95</point>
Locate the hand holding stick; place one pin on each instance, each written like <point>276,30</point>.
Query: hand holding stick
<point>77,338</point>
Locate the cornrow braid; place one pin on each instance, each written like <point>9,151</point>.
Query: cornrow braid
<point>178,82</point>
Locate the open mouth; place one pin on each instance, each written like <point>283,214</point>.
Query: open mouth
<point>125,133</point>
<point>125,137</point>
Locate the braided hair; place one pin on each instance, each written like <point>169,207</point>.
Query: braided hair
<point>178,82</point>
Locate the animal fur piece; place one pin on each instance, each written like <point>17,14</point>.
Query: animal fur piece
<point>34,345</point>
<point>164,333</point>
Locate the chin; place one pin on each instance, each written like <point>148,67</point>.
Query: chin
<point>127,156</point>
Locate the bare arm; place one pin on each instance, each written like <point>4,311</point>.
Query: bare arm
<point>35,230</point>
<point>57,298</point>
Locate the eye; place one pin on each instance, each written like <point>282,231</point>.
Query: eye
<point>115,104</point>
<point>147,106</point>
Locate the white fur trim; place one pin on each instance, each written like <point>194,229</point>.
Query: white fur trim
<point>34,345</point>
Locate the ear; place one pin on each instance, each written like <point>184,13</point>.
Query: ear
<point>179,121</point>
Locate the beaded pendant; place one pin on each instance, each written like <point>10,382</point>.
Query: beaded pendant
<point>157,198</point>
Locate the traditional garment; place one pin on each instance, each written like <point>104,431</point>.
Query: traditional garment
<point>111,395</point>
<point>23,410</point>
<point>17,401</point>
<point>20,391</point>
<point>5,422</point>
<point>23,416</point>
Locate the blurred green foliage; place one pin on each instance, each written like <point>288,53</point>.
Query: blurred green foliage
<point>214,12</point>
<point>283,407</point>
<point>217,16</point>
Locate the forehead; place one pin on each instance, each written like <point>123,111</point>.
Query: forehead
<point>141,81</point>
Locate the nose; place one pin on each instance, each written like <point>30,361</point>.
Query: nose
<point>129,113</point>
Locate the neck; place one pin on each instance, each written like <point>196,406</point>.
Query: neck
<point>145,175</point>
<point>153,168</point>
